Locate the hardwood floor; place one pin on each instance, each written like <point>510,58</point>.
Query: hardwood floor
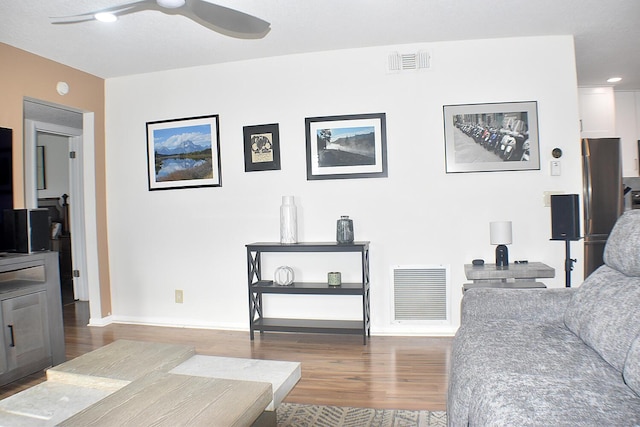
<point>387,373</point>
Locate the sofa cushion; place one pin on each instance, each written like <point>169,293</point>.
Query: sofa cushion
<point>481,304</point>
<point>483,349</point>
<point>605,311</point>
<point>506,399</point>
<point>622,251</point>
<point>605,314</point>
<point>631,371</point>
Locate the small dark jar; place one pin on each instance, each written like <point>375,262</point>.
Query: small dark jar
<point>344,233</point>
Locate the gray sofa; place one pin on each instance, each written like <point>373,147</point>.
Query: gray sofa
<point>554,357</point>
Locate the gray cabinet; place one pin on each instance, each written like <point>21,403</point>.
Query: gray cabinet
<point>31,313</point>
<point>26,330</point>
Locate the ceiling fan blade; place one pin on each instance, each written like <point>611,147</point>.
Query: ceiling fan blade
<point>224,20</point>
<point>221,19</point>
<point>119,10</point>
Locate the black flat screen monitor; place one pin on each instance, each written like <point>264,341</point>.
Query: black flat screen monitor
<point>6,181</point>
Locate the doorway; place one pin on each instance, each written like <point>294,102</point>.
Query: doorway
<point>53,186</point>
<point>74,131</point>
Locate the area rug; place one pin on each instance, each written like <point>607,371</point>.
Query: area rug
<point>297,415</point>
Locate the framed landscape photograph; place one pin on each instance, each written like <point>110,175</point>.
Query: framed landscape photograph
<point>353,146</point>
<point>261,148</point>
<point>184,153</point>
<point>491,137</point>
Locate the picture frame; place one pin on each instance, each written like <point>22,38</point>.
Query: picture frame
<point>491,137</point>
<point>261,147</point>
<point>41,170</point>
<point>184,153</point>
<point>348,146</point>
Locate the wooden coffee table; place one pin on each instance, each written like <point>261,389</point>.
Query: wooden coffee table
<point>163,399</point>
<point>129,383</point>
<point>282,376</point>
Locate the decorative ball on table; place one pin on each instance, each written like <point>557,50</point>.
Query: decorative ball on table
<point>283,276</point>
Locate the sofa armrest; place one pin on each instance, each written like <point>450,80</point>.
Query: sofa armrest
<point>539,305</point>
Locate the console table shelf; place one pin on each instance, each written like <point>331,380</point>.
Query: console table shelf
<point>259,287</point>
<point>309,288</point>
<point>309,325</point>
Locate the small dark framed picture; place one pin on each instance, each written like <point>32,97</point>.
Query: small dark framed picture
<point>340,147</point>
<point>261,148</point>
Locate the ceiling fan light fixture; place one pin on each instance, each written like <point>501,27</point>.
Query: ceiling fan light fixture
<point>105,17</point>
<point>170,4</point>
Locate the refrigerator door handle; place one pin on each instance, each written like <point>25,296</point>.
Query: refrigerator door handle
<point>587,187</point>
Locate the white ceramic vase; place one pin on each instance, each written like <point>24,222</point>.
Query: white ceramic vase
<point>288,221</point>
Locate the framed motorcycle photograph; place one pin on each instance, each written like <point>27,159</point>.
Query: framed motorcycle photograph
<point>491,137</point>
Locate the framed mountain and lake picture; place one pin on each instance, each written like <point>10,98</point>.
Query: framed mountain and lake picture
<point>184,153</point>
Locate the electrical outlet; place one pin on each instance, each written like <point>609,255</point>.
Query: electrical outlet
<point>179,299</point>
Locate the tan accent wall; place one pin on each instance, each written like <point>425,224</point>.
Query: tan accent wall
<point>23,74</point>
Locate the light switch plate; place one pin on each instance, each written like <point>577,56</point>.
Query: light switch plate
<point>547,197</point>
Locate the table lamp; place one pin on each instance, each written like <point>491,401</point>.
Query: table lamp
<point>500,233</point>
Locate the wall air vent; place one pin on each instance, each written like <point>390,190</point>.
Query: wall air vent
<point>420,293</point>
<point>398,62</point>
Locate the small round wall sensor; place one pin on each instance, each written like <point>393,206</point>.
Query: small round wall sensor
<point>62,88</point>
<point>556,153</point>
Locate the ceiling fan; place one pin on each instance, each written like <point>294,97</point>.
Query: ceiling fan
<point>221,19</point>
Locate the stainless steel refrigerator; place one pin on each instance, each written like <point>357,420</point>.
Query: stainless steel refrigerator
<point>602,196</point>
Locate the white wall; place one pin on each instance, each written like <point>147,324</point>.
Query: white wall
<point>627,110</point>
<point>193,239</point>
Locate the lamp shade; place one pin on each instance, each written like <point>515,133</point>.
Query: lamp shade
<point>500,232</point>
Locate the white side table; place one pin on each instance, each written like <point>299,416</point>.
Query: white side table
<point>514,276</point>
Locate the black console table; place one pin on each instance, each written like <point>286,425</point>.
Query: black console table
<point>259,287</point>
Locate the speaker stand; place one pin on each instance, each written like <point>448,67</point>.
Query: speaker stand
<point>568,265</point>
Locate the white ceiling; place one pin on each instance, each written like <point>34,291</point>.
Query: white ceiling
<point>607,32</point>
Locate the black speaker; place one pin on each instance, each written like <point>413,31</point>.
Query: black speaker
<point>565,217</point>
<point>27,230</point>
<point>40,227</point>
